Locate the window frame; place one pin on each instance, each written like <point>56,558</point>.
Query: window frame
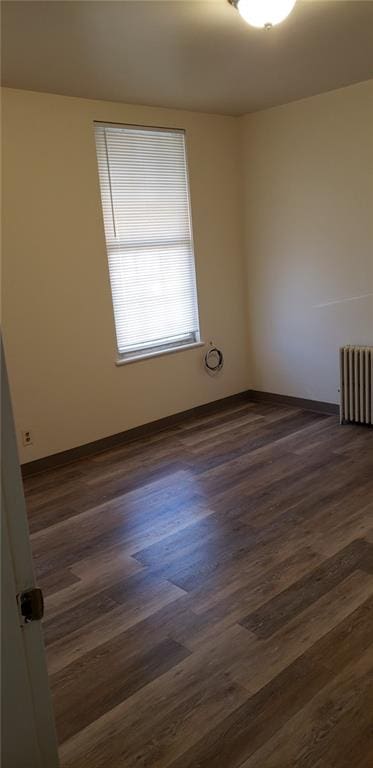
<point>188,341</point>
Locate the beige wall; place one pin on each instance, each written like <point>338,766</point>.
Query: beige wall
<point>58,322</point>
<point>309,239</point>
<point>305,275</point>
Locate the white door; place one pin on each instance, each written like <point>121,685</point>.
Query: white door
<point>28,732</point>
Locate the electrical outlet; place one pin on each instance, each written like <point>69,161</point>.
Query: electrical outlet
<point>27,437</point>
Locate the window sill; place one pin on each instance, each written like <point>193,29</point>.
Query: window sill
<point>159,353</point>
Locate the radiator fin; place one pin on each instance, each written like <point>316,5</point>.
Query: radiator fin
<point>356,369</point>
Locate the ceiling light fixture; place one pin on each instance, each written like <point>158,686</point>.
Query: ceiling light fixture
<point>263,13</point>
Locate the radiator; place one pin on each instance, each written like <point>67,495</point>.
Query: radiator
<point>356,367</point>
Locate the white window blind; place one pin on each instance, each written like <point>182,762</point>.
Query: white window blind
<point>145,201</point>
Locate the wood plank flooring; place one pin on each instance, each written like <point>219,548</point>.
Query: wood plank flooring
<point>209,594</point>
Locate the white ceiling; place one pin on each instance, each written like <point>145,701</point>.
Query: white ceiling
<point>184,54</point>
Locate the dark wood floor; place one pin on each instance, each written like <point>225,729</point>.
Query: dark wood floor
<point>209,595</point>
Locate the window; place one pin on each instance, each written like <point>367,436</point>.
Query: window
<point>145,202</point>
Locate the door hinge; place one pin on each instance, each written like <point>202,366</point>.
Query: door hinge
<point>31,604</point>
